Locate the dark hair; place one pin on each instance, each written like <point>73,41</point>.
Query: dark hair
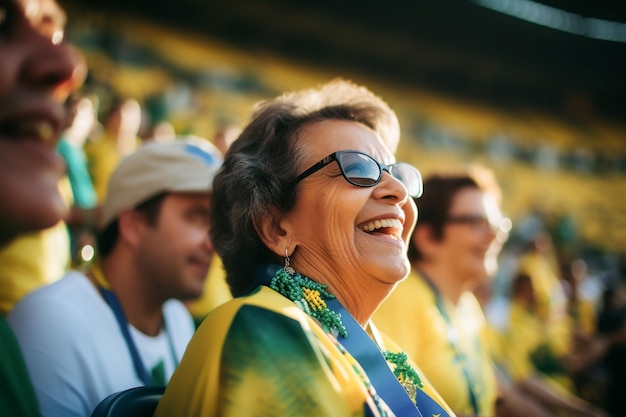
<point>107,238</point>
<point>260,167</point>
<point>439,191</point>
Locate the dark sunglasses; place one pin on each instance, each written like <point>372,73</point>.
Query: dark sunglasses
<point>362,170</point>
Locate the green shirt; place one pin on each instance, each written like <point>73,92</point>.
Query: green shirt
<point>17,398</point>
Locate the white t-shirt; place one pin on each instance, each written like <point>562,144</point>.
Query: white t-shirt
<point>75,352</point>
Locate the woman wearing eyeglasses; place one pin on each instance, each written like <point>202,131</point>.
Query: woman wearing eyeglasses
<point>435,316</point>
<point>312,220</point>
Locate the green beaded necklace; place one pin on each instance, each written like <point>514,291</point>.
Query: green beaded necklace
<point>404,372</point>
<point>310,295</point>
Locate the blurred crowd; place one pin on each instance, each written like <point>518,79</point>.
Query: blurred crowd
<point>549,311</point>
<point>552,313</point>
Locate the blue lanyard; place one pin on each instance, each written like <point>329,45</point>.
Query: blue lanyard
<point>367,353</point>
<point>140,368</point>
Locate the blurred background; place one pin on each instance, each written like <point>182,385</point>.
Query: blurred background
<point>536,91</point>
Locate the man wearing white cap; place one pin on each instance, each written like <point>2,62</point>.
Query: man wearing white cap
<point>122,325</point>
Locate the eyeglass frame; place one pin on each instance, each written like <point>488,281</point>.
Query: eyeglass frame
<point>382,167</point>
<point>477,221</point>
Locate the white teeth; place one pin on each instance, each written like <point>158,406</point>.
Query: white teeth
<point>40,129</point>
<point>379,224</point>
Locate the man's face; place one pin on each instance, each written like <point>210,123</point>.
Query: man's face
<point>175,254</point>
<point>37,73</point>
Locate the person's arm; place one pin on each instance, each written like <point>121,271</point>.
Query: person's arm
<point>512,402</point>
<point>537,389</point>
<point>593,350</point>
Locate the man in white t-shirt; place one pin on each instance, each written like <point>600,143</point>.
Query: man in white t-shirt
<point>122,325</point>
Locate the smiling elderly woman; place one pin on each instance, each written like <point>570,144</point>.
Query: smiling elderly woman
<point>312,218</point>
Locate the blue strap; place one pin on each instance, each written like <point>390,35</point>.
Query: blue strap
<point>367,353</point>
<point>114,303</point>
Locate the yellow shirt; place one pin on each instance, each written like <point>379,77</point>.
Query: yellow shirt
<point>34,259</point>
<point>526,337</point>
<point>523,335</point>
<point>452,351</point>
<point>583,316</point>
<point>30,261</point>
<point>549,293</point>
<point>262,355</point>
<point>551,300</point>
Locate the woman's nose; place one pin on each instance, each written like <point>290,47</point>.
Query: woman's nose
<point>390,186</point>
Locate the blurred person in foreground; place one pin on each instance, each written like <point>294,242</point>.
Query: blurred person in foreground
<point>122,325</point>
<point>434,314</point>
<point>41,257</point>
<point>37,73</point>
<point>311,218</point>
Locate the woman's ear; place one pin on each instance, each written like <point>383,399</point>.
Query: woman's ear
<point>273,229</point>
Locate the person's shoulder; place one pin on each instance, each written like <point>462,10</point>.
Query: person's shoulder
<point>67,295</point>
<point>60,316</point>
<point>413,281</point>
<point>423,290</point>
<point>250,319</point>
<point>70,282</point>
<point>263,305</point>
<point>410,289</point>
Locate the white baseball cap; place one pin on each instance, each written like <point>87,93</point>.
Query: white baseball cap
<point>186,165</point>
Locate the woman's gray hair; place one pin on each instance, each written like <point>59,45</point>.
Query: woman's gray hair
<point>259,170</point>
